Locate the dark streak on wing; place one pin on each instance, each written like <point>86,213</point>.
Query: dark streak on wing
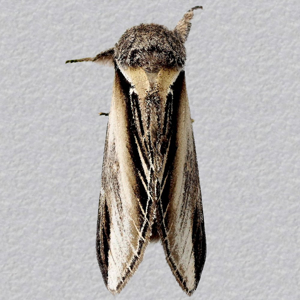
<point>106,235</point>
<point>136,106</point>
<point>103,228</point>
<point>172,105</point>
<point>168,113</point>
<point>199,244</point>
<point>138,128</point>
<point>140,191</point>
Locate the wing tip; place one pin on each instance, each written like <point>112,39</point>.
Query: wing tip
<point>183,284</point>
<point>133,265</point>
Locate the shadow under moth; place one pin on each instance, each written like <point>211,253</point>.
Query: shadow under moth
<point>150,180</point>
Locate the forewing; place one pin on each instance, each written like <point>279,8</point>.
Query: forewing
<point>180,214</point>
<point>125,207</point>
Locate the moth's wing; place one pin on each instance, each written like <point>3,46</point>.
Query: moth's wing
<point>125,208</point>
<point>180,214</point>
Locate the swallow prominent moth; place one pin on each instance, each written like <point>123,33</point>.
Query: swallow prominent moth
<point>150,181</point>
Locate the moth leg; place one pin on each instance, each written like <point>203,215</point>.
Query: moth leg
<point>103,114</point>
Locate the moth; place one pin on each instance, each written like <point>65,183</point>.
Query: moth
<point>150,180</point>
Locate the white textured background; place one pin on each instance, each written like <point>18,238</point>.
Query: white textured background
<point>243,85</point>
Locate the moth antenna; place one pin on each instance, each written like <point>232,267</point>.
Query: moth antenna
<point>184,25</point>
<point>103,57</point>
<point>79,60</point>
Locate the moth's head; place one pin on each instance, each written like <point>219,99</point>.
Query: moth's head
<point>151,46</point>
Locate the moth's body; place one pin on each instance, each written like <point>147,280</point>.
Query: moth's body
<point>150,182</point>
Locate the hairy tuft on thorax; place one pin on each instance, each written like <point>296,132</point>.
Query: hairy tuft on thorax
<point>151,47</point>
